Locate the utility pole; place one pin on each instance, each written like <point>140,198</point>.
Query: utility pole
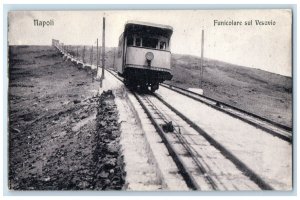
<point>77,52</point>
<point>83,55</point>
<point>114,58</point>
<point>100,50</point>
<point>92,56</point>
<point>97,59</point>
<point>201,67</point>
<point>103,49</point>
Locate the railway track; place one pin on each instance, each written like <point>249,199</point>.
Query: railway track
<point>276,129</point>
<point>203,162</point>
<point>157,118</point>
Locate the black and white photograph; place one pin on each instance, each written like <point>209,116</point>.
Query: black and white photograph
<point>150,100</point>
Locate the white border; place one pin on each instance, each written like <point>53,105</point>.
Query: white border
<point>157,2</point>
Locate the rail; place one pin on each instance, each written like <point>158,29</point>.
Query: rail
<point>274,128</point>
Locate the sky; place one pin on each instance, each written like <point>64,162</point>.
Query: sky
<point>266,47</point>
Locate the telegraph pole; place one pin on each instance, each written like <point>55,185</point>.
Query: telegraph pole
<point>92,56</point>
<point>201,67</point>
<point>97,59</point>
<point>103,49</point>
<point>77,52</point>
<point>114,58</point>
<point>83,55</point>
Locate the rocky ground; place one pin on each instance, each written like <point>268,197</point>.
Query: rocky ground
<point>59,136</point>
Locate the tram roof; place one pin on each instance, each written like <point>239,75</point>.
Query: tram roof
<point>136,24</point>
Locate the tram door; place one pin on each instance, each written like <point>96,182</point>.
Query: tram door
<point>120,55</point>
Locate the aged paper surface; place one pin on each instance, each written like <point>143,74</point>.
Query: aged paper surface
<point>64,136</point>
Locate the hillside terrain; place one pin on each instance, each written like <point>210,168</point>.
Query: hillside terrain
<point>261,92</point>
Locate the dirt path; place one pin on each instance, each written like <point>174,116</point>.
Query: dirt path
<point>54,135</point>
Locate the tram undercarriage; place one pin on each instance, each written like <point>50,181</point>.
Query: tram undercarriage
<point>145,79</point>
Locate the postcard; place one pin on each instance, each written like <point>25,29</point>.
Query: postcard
<point>150,100</point>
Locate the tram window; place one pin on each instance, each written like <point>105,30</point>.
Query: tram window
<point>150,42</point>
<point>138,42</point>
<point>162,45</point>
<point>129,41</point>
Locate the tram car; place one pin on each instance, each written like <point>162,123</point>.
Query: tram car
<point>144,56</point>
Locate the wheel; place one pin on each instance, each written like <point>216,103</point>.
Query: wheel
<point>126,82</point>
<point>154,87</point>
